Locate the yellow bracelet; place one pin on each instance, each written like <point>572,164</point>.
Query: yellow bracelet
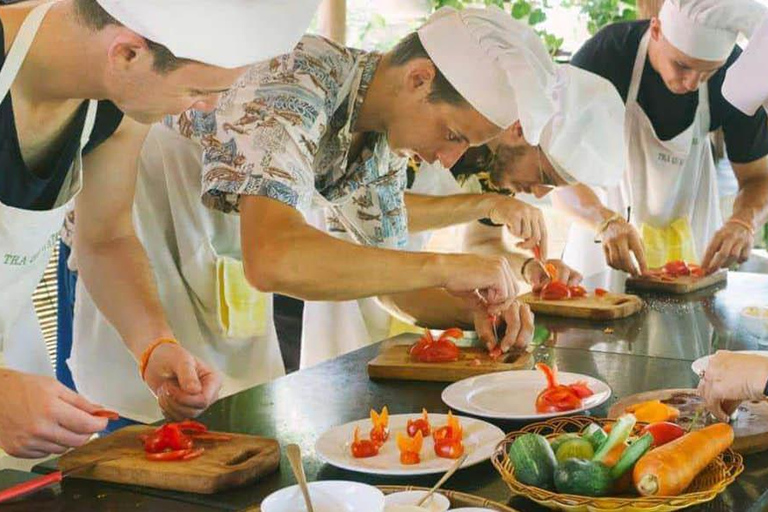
<point>148,353</point>
<point>743,224</point>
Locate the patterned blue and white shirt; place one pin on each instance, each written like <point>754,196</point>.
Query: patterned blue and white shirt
<point>284,131</point>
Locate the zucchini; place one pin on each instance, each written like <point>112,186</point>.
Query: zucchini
<point>583,478</point>
<point>534,461</point>
<point>557,442</point>
<point>631,455</point>
<point>574,449</point>
<point>619,433</point>
<point>595,435</point>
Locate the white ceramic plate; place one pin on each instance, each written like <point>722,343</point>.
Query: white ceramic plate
<point>512,395</point>
<point>480,439</point>
<point>327,496</point>
<point>700,365</point>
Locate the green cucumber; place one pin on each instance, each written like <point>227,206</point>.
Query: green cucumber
<point>619,433</point>
<point>583,478</point>
<point>595,435</point>
<point>559,440</point>
<point>534,461</point>
<point>631,455</point>
<point>574,449</point>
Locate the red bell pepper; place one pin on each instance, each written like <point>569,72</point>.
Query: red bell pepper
<point>556,397</point>
<point>169,455</point>
<point>663,432</point>
<point>429,350</point>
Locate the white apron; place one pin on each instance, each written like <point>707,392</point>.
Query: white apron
<point>27,237</point>
<point>668,184</point>
<point>186,244</point>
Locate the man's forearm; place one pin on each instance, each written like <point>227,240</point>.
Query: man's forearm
<point>433,308</point>
<point>751,204</point>
<point>426,213</point>
<point>120,281</point>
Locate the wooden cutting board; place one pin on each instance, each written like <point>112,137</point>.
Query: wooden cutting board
<point>607,307</point>
<point>680,285</point>
<point>394,362</point>
<point>750,427</point>
<point>240,461</point>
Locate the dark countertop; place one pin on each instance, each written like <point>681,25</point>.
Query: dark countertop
<point>652,350</point>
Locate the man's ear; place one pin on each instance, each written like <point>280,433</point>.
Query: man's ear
<point>419,75</point>
<point>126,49</point>
<point>656,33</point>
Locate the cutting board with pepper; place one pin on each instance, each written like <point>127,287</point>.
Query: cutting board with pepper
<point>395,362</point>
<point>678,285</point>
<point>750,426</point>
<point>608,306</point>
<point>239,461</point>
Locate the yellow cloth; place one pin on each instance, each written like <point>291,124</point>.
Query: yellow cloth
<point>242,310</point>
<point>673,242</point>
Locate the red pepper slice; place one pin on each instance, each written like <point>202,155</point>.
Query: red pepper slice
<point>581,389</point>
<point>600,292</point>
<point>496,353</point>
<point>419,425</point>
<point>211,436</point>
<point>555,290</point>
<point>193,454</point>
<point>677,268</point>
<point>191,426</point>
<point>168,456</point>
<point>449,449</point>
<point>664,432</point>
<point>363,448</point>
<point>577,291</point>
<point>106,413</point>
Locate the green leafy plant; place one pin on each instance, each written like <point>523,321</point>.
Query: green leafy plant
<point>604,12</point>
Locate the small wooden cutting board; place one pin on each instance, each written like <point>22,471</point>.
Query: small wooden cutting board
<point>394,362</point>
<point>750,428</point>
<point>608,307</point>
<point>681,285</point>
<point>224,465</point>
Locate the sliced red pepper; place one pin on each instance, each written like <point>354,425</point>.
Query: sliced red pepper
<point>380,431</point>
<point>600,292</point>
<point>191,426</point>
<point>555,397</point>
<point>581,389</point>
<point>452,333</point>
<point>410,448</point>
<point>169,455</point>
<point>577,291</point>
<point>449,449</point>
<point>419,425</point>
<point>363,448</point>
<point>551,271</point>
<point>677,268</point>
<point>211,436</point>
<point>555,290</point>
<point>496,353</point>
<point>105,413</point>
<point>429,350</point>
<point>193,454</point>
<point>664,432</point>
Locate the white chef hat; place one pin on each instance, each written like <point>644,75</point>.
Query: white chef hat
<point>746,81</point>
<point>708,29</point>
<point>584,139</point>
<point>501,67</point>
<point>223,33</point>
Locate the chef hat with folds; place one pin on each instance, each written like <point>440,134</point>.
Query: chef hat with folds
<point>501,67</point>
<point>223,33</point>
<point>746,81</point>
<point>708,29</point>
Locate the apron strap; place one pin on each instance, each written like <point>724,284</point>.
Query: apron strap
<point>20,47</point>
<point>703,109</point>
<point>637,69</point>
<point>90,121</point>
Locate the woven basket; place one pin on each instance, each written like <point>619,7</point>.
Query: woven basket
<point>457,499</point>
<point>708,484</point>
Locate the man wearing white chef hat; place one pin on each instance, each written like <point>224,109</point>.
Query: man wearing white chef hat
<point>670,71</point>
<point>142,67</point>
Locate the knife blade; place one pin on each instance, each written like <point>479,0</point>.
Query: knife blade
<point>40,482</point>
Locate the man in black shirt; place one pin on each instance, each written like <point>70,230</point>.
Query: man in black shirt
<point>670,71</point>
<point>56,54</point>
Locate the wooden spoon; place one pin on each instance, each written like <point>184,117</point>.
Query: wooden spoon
<point>294,457</point>
<point>449,474</point>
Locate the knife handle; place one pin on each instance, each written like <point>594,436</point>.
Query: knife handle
<point>30,486</point>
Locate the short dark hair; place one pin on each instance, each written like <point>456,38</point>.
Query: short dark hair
<point>410,48</point>
<point>93,16</point>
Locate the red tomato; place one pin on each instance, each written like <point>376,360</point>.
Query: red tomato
<point>577,291</point>
<point>581,389</point>
<point>418,425</point>
<point>601,292</point>
<point>449,449</point>
<point>664,432</point>
<point>555,290</point>
<point>379,435</point>
<point>409,458</point>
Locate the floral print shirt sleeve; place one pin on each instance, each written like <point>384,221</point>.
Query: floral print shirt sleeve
<point>263,138</point>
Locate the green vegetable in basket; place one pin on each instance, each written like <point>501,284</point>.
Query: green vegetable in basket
<point>533,460</point>
<point>595,435</point>
<point>559,440</point>
<point>619,433</point>
<point>631,455</point>
<point>583,478</point>
<point>574,449</point>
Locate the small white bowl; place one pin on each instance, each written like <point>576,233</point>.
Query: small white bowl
<point>327,496</point>
<point>396,502</point>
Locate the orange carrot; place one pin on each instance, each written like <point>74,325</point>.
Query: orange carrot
<point>613,456</point>
<point>669,469</point>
